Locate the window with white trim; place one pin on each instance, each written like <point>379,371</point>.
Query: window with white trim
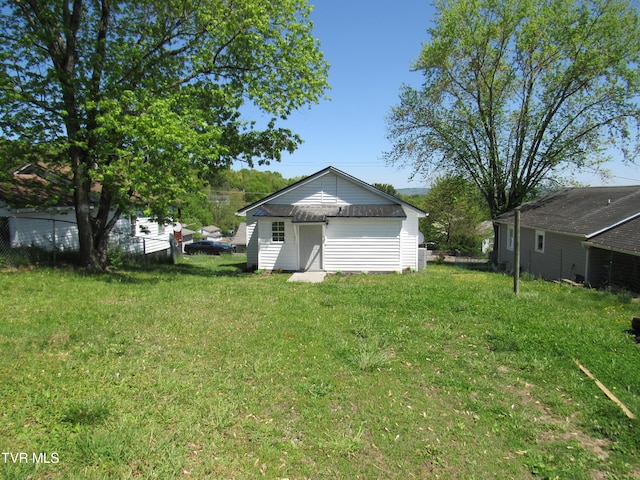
<point>540,241</point>
<point>511,233</point>
<point>277,231</point>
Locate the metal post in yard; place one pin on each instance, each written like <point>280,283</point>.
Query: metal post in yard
<point>516,253</point>
<point>54,241</point>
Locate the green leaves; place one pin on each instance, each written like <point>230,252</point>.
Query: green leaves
<point>515,91</point>
<point>145,93</point>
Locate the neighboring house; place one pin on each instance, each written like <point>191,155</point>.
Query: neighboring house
<point>187,235</point>
<point>485,231</point>
<point>36,210</point>
<point>332,221</point>
<point>589,235</point>
<point>239,239</point>
<point>210,232</point>
<point>146,234</point>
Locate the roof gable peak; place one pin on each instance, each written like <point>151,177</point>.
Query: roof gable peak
<point>319,174</point>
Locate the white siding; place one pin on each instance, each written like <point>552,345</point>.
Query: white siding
<point>330,189</point>
<point>121,236</point>
<point>359,244</point>
<point>57,230</point>
<point>409,242</point>
<point>43,229</point>
<point>277,255</point>
<point>155,237</point>
<point>252,242</point>
<point>352,194</point>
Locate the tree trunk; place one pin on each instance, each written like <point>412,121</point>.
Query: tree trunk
<point>82,201</point>
<point>93,231</point>
<point>493,255</point>
<point>88,257</point>
<point>100,247</point>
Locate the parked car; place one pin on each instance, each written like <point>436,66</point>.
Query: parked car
<point>207,246</point>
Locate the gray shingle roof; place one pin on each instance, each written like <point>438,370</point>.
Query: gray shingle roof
<point>625,237</point>
<point>319,213</point>
<point>581,211</point>
<point>240,236</point>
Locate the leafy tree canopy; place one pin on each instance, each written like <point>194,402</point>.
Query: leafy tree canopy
<point>516,90</point>
<point>229,191</point>
<point>455,212</point>
<point>254,184</point>
<point>135,95</point>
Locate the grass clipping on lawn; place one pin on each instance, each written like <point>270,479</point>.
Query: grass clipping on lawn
<point>202,370</point>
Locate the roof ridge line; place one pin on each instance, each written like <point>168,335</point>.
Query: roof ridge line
<point>612,226</point>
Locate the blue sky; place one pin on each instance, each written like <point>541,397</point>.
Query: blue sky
<point>370,46</point>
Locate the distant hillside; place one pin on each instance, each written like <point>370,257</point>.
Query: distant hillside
<point>412,191</point>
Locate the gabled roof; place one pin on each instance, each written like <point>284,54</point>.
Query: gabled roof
<point>36,185</point>
<point>211,228</point>
<point>240,236</point>
<point>306,214</point>
<point>584,211</point>
<point>623,238</point>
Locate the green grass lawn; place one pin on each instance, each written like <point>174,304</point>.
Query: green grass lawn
<point>202,371</point>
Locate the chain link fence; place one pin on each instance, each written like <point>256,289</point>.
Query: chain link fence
<point>54,241</point>
<point>37,240</point>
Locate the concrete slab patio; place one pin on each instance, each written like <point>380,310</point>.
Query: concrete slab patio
<point>307,277</point>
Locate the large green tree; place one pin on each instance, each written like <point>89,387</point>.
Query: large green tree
<point>136,94</point>
<point>515,91</point>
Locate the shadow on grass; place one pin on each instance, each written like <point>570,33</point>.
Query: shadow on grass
<point>154,273</point>
<point>467,263</point>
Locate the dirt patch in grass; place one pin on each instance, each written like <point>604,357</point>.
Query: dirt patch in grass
<point>564,432</point>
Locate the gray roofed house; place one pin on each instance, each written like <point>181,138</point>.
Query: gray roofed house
<point>589,234</point>
<point>332,221</point>
<point>239,239</point>
<point>210,231</point>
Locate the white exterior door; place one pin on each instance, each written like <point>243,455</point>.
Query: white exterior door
<point>310,247</point>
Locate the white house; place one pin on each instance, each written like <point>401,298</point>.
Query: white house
<point>210,232</point>
<point>331,221</point>
<point>55,228</point>
<point>28,217</point>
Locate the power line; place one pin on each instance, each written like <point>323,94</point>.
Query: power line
<point>626,178</point>
<point>222,192</point>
